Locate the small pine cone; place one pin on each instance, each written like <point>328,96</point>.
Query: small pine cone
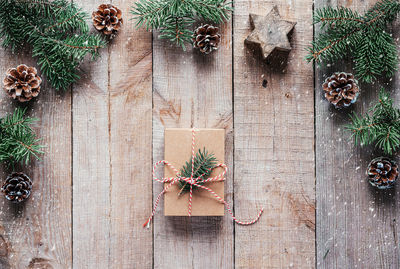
<point>206,38</point>
<point>107,19</point>
<point>22,83</point>
<point>341,89</point>
<point>17,187</point>
<point>382,173</point>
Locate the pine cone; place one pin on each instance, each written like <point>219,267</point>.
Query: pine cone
<point>22,83</point>
<point>17,187</point>
<point>341,89</point>
<point>206,38</point>
<point>107,19</point>
<point>382,173</point>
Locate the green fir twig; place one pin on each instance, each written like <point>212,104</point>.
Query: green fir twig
<point>56,31</point>
<point>381,126</point>
<point>174,17</point>
<point>18,141</point>
<point>204,162</point>
<point>365,38</point>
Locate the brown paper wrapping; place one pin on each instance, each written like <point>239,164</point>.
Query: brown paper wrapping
<point>178,145</point>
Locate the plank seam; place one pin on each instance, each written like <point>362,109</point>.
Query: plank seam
<point>72,176</point>
<point>315,148</point>
<point>109,151</point>
<point>72,173</point>
<point>233,133</point>
<point>152,144</point>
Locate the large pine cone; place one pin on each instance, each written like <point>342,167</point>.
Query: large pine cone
<point>17,187</point>
<point>22,83</point>
<point>206,38</point>
<point>107,19</point>
<point>341,89</point>
<point>382,173</point>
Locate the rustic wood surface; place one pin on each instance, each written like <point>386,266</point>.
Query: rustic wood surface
<point>38,234</point>
<point>274,155</point>
<point>190,90</point>
<point>356,224</point>
<point>91,179</point>
<point>286,151</point>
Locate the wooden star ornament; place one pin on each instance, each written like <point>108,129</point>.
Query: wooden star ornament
<point>270,35</point>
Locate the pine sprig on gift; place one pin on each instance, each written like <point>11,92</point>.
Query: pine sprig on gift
<point>55,30</point>
<point>365,38</point>
<point>174,17</point>
<point>204,162</point>
<point>18,141</point>
<point>381,126</point>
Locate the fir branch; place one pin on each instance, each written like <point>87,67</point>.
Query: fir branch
<point>39,2</point>
<point>18,141</point>
<point>56,31</point>
<point>381,126</point>
<point>204,162</point>
<point>64,22</point>
<point>176,31</point>
<point>348,33</point>
<point>174,17</point>
<point>376,54</point>
<point>330,17</point>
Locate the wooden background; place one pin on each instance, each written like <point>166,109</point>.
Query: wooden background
<point>286,151</point>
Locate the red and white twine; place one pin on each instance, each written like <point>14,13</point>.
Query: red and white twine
<point>192,182</point>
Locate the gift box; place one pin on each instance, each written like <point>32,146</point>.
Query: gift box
<point>178,151</point>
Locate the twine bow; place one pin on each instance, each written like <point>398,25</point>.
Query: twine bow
<point>192,182</point>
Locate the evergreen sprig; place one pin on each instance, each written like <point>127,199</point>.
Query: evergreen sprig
<point>204,162</point>
<point>365,38</point>
<point>381,126</point>
<point>18,141</point>
<point>174,17</point>
<point>57,33</point>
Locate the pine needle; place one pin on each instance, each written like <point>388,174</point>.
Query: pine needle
<point>18,141</point>
<point>174,17</point>
<point>56,31</point>
<point>381,126</point>
<point>204,162</point>
<point>365,38</point>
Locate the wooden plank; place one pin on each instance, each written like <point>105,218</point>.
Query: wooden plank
<point>91,162</point>
<point>193,90</point>
<point>357,224</point>
<point>37,234</point>
<point>131,144</point>
<point>274,146</point>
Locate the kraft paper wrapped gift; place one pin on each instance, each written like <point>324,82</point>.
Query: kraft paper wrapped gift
<point>178,150</point>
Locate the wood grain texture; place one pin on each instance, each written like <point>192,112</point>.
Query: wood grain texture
<point>91,162</point>
<point>274,140</point>
<point>130,72</point>
<point>357,225</point>
<point>93,189</point>
<point>37,233</point>
<point>192,90</point>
